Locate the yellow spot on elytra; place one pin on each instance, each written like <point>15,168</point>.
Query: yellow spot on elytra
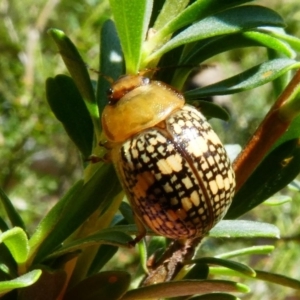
<point>163,166</point>
<point>219,180</point>
<point>213,187</point>
<point>186,204</point>
<point>197,146</point>
<point>187,182</point>
<point>175,162</point>
<point>195,198</point>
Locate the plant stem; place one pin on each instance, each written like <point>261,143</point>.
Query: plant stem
<point>272,127</point>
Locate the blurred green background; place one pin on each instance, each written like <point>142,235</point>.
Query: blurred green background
<point>38,163</point>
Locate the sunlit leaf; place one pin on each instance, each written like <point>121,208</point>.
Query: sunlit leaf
<point>244,229</point>
<point>248,79</point>
<point>20,282</point>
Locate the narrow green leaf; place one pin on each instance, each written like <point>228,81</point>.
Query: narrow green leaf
<point>226,22</point>
<point>277,170</point>
<point>249,79</point>
<point>279,33</point>
<point>8,266</point>
<point>111,61</point>
<point>79,73</point>
<point>11,212</point>
<point>20,282</point>
<point>244,229</point>
<point>104,254</point>
<point>114,238</point>
<point>278,279</point>
<point>74,63</point>
<point>3,225</point>
<point>175,17</point>
<point>198,271</point>
<point>290,109</point>
<point>170,10</point>
<point>196,11</point>
<point>233,265</point>
<point>79,206</point>
<point>143,255</point>
<point>258,250</point>
<point>204,50</point>
<point>105,285</point>
<point>278,200</point>
<point>210,109</point>
<point>132,19</point>
<point>16,241</point>
<point>292,133</point>
<point>126,212</point>
<point>184,288</point>
<point>47,225</point>
<point>69,108</point>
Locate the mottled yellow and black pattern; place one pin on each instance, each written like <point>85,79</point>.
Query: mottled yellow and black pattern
<point>172,165</point>
<point>178,179</point>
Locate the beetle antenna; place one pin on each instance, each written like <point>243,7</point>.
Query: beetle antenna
<point>108,78</point>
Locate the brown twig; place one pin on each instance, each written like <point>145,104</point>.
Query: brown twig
<point>168,266</point>
<point>269,131</point>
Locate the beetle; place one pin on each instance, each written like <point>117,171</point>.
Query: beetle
<point>171,164</point>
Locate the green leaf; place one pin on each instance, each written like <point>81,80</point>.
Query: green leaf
<point>170,10</point>
<point>204,50</point>
<point>79,73</point>
<point>8,265</point>
<point>104,254</point>
<point>278,200</point>
<point>105,285</point>
<point>236,266</point>
<point>50,221</point>
<point>111,61</point>
<point>258,250</point>
<point>143,253</point>
<point>244,229</point>
<point>226,22</point>
<point>277,170</point>
<point>20,282</point>
<point>184,288</point>
<point>16,241</point>
<point>173,17</point>
<point>113,237</point>
<point>77,207</point>
<point>11,212</point>
<point>293,132</point>
<point>278,279</point>
<point>198,271</point>
<point>249,79</point>
<point>69,108</point>
<point>132,19</point>
<point>279,33</point>
<point>74,63</point>
<point>3,225</point>
<point>211,110</point>
<point>196,11</point>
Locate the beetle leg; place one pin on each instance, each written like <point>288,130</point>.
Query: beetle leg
<point>141,231</point>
